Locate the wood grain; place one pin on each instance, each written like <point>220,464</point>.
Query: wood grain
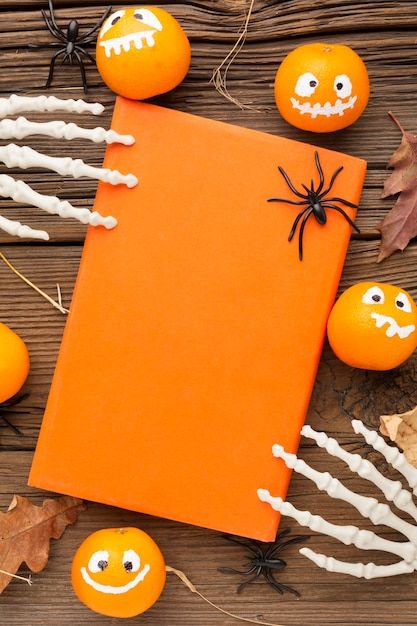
<point>383,32</point>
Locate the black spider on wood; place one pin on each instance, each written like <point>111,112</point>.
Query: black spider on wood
<point>262,560</point>
<point>70,45</point>
<point>314,202</point>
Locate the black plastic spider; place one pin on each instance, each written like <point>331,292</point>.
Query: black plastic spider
<point>263,562</point>
<point>71,45</point>
<point>315,202</point>
<point>8,404</point>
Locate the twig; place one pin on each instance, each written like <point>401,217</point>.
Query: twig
<point>55,304</point>
<point>193,589</point>
<point>27,580</point>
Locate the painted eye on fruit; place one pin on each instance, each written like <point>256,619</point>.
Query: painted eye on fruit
<point>306,85</point>
<point>403,303</point>
<point>99,561</point>
<point>111,21</point>
<point>131,561</point>
<point>146,16</point>
<point>342,86</point>
<point>374,295</point>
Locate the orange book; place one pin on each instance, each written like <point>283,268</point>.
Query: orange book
<point>195,331</point>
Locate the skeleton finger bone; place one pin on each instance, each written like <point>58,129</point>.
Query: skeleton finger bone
<point>391,453</point>
<point>18,104</point>
<point>391,489</point>
<point>15,228</point>
<point>360,570</point>
<point>21,128</point>
<point>25,157</point>
<point>349,535</point>
<point>368,507</point>
<point>21,192</point>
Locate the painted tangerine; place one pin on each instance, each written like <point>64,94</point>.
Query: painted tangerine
<point>142,52</point>
<point>322,87</point>
<point>14,363</point>
<point>373,326</point>
<point>118,572</point>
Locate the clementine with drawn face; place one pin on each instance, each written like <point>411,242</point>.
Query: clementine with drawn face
<point>119,572</point>
<point>321,87</point>
<point>142,52</point>
<point>373,326</point>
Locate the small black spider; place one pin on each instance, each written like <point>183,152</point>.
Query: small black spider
<point>315,202</point>
<point>262,560</point>
<point>71,44</point>
<point>8,404</point>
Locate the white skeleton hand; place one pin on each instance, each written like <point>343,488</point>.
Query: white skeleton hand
<point>24,157</point>
<point>369,507</point>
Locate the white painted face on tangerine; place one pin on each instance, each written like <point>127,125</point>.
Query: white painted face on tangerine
<point>99,562</point>
<point>307,84</point>
<point>131,28</point>
<point>376,297</point>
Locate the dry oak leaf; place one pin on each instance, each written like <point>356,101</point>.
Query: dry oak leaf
<point>26,530</point>
<point>402,429</point>
<point>400,224</point>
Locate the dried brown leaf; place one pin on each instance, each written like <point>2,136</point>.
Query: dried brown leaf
<point>400,224</point>
<point>26,530</point>
<point>402,429</point>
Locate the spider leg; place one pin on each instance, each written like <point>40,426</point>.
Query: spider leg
<point>272,582</point>
<point>85,53</point>
<point>53,28</point>
<point>45,45</point>
<point>53,21</point>
<point>52,67</point>
<point>342,212</point>
<point>295,223</point>
<point>230,570</point>
<point>10,425</point>
<point>298,539</point>
<point>242,586</point>
<point>289,183</point>
<point>306,188</point>
<point>342,201</point>
<point>331,183</point>
<point>253,548</point>
<point>297,202</point>
<point>320,171</point>
<point>95,28</point>
<point>82,68</point>
<point>301,233</point>
<point>275,584</point>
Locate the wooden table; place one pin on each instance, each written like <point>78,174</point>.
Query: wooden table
<point>384,34</point>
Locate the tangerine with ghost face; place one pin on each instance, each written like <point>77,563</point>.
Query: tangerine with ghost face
<point>373,326</point>
<point>322,87</point>
<point>142,52</point>
<point>118,572</point>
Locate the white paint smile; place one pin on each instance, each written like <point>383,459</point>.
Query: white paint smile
<point>327,109</point>
<point>393,327</point>
<point>109,589</point>
<point>125,43</point>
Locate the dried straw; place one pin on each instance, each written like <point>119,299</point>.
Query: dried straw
<point>219,77</point>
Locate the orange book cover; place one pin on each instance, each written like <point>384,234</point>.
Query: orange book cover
<point>195,331</point>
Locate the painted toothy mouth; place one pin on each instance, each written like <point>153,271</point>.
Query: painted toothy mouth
<point>115,590</point>
<point>327,109</point>
<point>124,44</point>
<point>393,327</point>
